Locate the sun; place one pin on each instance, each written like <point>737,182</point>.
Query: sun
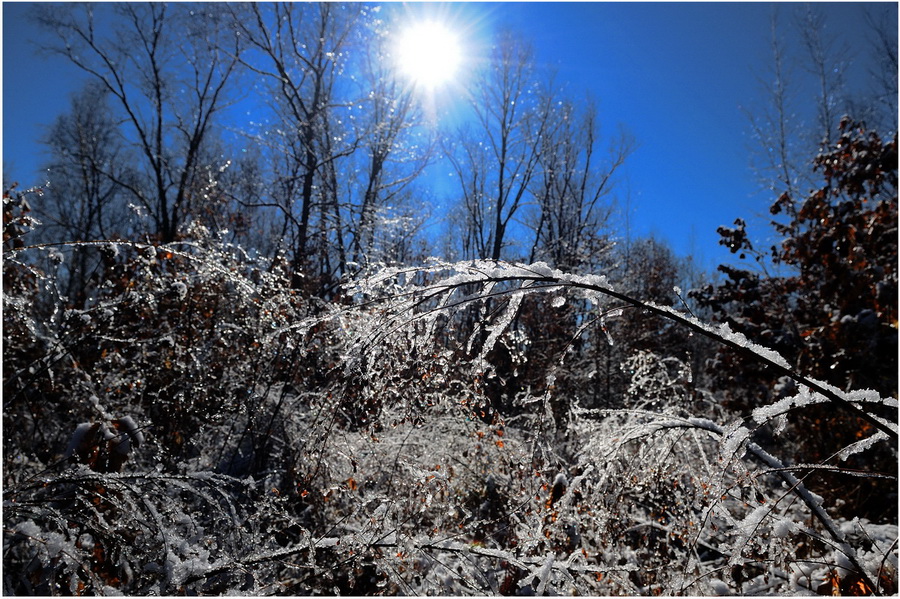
<point>428,53</point>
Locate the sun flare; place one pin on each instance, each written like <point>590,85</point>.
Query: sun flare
<point>428,53</point>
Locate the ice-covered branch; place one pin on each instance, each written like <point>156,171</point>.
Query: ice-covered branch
<point>454,281</point>
<point>812,502</point>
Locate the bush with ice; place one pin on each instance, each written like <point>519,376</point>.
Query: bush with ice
<point>391,443</point>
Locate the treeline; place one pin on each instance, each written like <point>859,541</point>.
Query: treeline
<point>286,130</point>
<point>289,127</point>
<point>289,130</point>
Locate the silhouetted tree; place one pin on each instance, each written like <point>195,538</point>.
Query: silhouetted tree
<point>572,189</point>
<point>805,93</point>
<point>166,69</point>
<point>84,200</point>
<point>884,50</point>
<point>496,160</point>
<point>392,154</point>
<point>300,50</point>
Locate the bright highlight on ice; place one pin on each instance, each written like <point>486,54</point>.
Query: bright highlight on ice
<point>428,53</point>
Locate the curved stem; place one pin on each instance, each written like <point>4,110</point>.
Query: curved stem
<point>690,322</point>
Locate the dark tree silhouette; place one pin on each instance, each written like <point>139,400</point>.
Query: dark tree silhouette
<point>154,51</point>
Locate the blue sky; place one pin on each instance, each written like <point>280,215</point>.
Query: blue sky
<point>676,75</point>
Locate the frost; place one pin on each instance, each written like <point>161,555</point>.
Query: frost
<point>739,339</point>
<point>784,527</point>
<point>28,528</point>
<point>501,323</point>
<point>279,442</point>
<point>861,446</point>
<point>544,576</point>
<point>747,528</point>
<point>806,397</point>
<point>180,290</point>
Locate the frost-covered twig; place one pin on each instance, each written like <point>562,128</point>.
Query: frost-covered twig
<point>794,484</point>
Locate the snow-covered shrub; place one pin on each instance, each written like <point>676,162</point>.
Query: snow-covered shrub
<point>123,419</point>
<point>662,501</point>
<point>199,427</point>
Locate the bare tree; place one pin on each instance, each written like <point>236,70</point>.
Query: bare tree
<point>163,66</point>
<point>776,128</point>
<point>85,161</point>
<point>470,165</point>
<point>83,201</point>
<point>783,139</point>
<point>246,184</point>
<point>572,188</point>
<point>827,61</point>
<point>393,153</point>
<point>884,50</point>
<point>300,49</point>
<point>497,163</point>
